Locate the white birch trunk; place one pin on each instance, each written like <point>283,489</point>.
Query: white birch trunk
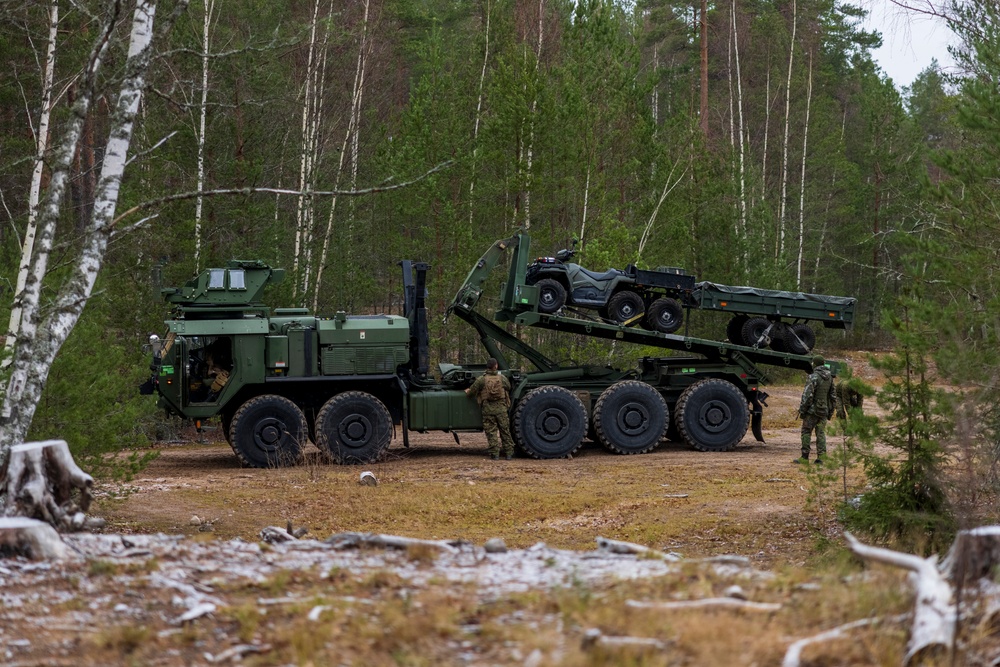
<point>301,240</point>
<point>41,146</point>
<point>350,136</point>
<point>767,126</point>
<point>802,182</point>
<point>531,121</point>
<point>203,113</point>
<point>742,146</point>
<point>41,340</point>
<point>784,148</point>
<point>479,114</point>
<point>667,189</point>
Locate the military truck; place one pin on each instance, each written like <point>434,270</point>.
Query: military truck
<point>279,379</point>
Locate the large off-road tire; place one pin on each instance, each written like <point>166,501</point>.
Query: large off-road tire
<point>800,338</point>
<point>268,432</point>
<point>550,422</point>
<point>625,306</point>
<point>630,417</point>
<point>753,331</point>
<point>665,315</point>
<point>353,427</point>
<point>734,329</point>
<point>551,295</point>
<point>712,415</point>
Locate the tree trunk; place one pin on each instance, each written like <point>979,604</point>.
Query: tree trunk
<point>802,183</point>
<point>479,114</point>
<point>742,232</point>
<point>41,146</point>
<point>303,223</point>
<point>42,338</point>
<point>703,106</point>
<point>203,113</point>
<point>784,149</point>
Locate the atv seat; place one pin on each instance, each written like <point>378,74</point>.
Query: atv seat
<point>607,275</point>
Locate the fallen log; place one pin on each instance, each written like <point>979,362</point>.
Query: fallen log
<point>30,538</point>
<point>355,540</point>
<point>42,481</point>
<point>725,603</point>
<point>934,614</point>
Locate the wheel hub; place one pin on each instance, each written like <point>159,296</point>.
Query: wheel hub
<point>632,419</point>
<point>269,433</point>
<point>714,416</point>
<point>551,424</point>
<point>356,431</point>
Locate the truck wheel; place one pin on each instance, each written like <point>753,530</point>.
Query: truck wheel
<point>550,422</point>
<point>753,331</point>
<point>353,427</point>
<point>630,417</point>
<point>712,415</point>
<point>734,329</point>
<point>268,432</point>
<point>665,315</point>
<point>551,295</point>
<point>800,339</point>
<point>625,306</point>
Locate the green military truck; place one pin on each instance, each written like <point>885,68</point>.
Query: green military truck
<point>279,379</point>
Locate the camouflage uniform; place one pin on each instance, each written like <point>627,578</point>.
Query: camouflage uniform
<point>817,406</point>
<point>496,420</point>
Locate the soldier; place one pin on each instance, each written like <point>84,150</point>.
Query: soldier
<point>817,406</point>
<point>492,391</point>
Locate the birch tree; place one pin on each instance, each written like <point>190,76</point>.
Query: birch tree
<point>203,114</point>
<point>41,147</point>
<point>44,327</point>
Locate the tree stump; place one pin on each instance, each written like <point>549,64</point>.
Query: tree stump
<point>41,481</point>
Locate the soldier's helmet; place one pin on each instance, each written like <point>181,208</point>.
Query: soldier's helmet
<point>818,361</point>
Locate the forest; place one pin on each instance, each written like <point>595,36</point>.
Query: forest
<point>752,142</point>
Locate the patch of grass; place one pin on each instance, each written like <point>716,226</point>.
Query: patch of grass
<point>102,568</point>
<point>122,638</point>
<point>247,618</point>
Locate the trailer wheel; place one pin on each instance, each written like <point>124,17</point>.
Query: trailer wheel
<point>551,295</point>
<point>665,315</point>
<point>268,432</point>
<point>550,422</point>
<point>712,415</point>
<point>800,338</point>
<point>625,306</point>
<point>353,427</point>
<point>630,417</point>
<point>734,329</point>
<point>753,331</point>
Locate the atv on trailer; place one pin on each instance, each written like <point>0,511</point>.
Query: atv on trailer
<point>650,298</point>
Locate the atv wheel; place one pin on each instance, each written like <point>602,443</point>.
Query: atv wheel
<point>800,339</point>
<point>549,423</point>
<point>625,307</point>
<point>353,427</point>
<point>734,329</point>
<point>753,331</point>
<point>630,417</point>
<point>712,415</point>
<point>551,295</point>
<point>665,315</point>
<point>268,432</point>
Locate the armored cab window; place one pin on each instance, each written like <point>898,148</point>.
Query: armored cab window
<point>216,279</point>
<point>237,279</point>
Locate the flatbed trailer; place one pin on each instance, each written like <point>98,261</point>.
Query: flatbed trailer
<point>705,400</point>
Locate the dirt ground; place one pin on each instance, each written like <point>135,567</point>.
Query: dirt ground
<point>751,501</point>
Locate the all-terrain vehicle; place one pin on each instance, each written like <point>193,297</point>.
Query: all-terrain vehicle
<point>651,298</point>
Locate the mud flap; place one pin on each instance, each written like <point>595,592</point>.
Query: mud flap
<point>757,416</point>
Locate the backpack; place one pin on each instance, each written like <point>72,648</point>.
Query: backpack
<point>493,389</point>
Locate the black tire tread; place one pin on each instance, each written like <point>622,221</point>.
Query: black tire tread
<point>555,286</point>
<point>684,404</point>
<point>615,302</point>
<point>548,392</point>
<point>661,305</point>
<point>611,394</point>
<point>372,452</point>
<point>246,410</point>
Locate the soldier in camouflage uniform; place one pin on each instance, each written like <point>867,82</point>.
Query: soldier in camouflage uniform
<point>817,406</point>
<point>492,391</point>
